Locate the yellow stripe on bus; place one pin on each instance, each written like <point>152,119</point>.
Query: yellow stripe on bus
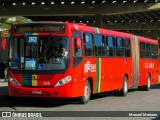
<point>35,33</point>
<point>34,82</point>
<point>99,75</point>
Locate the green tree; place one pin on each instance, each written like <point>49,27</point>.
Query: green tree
<point>6,22</point>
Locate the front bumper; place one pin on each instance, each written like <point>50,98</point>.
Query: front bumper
<point>63,91</point>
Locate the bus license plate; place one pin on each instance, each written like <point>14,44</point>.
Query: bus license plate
<point>36,92</point>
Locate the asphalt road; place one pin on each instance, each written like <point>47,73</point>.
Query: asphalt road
<point>135,101</point>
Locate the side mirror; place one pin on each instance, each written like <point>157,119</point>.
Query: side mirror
<point>78,43</point>
<point>3,45</point>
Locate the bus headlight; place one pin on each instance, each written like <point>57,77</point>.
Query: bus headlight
<point>13,81</point>
<point>63,81</point>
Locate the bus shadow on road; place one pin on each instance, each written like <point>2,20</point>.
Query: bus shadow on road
<point>6,101</point>
<point>12,102</point>
<point>116,93</point>
<point>110,94</point>
<point>3,90</point>
<point>156,86</point>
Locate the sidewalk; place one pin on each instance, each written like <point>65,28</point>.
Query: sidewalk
<point>2,80</point>
<point>3,83</point>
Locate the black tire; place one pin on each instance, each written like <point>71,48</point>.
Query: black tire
<point>87,94</point>
<point>148,86</point>
<point>124,90</point>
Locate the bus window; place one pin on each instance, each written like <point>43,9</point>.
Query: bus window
<point>99,45</point>
<point>16,53</point>
<point>148,51</point>
<point>119,47</point>
<point>110,46</point>
<point>57,53</point>
<point>154,51</point>
<point>39,53</point>
<point>88,44</point>
<point>142,50</point>
<point>127,47</point>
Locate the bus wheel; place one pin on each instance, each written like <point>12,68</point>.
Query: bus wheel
<point>87,94</point>
<point>124,90</point>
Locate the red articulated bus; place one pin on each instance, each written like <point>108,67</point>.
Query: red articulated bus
<point>68,60</point>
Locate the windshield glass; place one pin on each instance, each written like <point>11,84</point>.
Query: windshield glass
<point>39,53</point>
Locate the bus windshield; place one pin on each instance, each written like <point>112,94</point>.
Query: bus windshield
<point>39,53</point>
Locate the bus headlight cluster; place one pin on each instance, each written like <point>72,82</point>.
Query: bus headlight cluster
<point>13,81</point>
<point>63,81</point>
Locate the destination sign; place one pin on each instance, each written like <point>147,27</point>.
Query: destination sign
<point>39,27</point>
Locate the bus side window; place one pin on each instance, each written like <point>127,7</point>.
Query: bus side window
<point>142,50</point>
<point>99,45</point>
<point>154,51</point>
<point>127,47</point>
<point>119,47</point>
<point>110,46</point>
<point>88,44</point>
<point>148,51</point>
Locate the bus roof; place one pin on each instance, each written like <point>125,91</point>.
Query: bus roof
<point>149,40</point>
<point>99,30</point>
<point>86,28</point>
<point>112,32</point>
<point>55,22</point>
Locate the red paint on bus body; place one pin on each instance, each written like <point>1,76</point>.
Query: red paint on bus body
<point>112,70</point>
